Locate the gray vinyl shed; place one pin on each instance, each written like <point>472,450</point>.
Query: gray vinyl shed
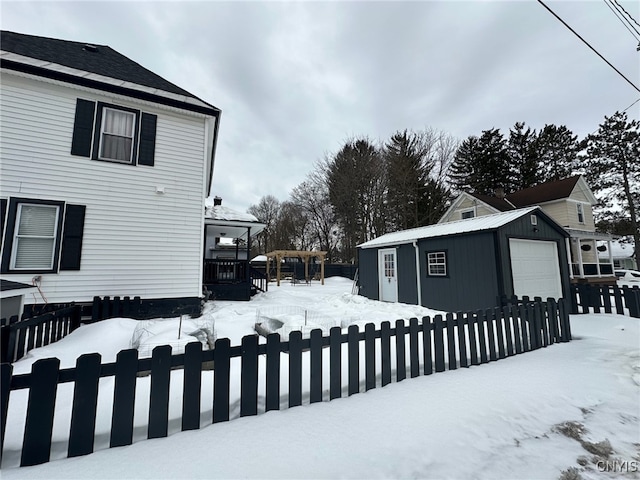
<point>468,264</point>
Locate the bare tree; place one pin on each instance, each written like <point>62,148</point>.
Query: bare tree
<point>312,196</point>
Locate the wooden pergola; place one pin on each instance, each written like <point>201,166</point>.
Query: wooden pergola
<point>278,255</point>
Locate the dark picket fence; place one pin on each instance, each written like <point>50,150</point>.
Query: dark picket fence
<point>17,337</point>
<point>605,299</point>
<point>421,348</point>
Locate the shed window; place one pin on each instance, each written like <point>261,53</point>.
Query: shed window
<point>437,264</point>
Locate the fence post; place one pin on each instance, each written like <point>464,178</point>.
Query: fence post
<point>295,368</point>
<point>426,345</point>
<point>36,447</point>
<point>335,363</point>
<point>222,365</point>
<point>573,290</point>
<point>249,376</point>
<point>159,392</point>
<point>315,352</point>
<point>414,355</point>
<point>370,356</point>
<point>5,390</point>
<point>632,298</point>
<point>354,359</point>
<point>451,343</point>
<point>5,336</point>
<point>438,342</point>
<point>124,398</point>
<point>192,386</point>
<point>385,352</point>
<point>401,363</point>
<point>272,401</point>
<point>85,401</point>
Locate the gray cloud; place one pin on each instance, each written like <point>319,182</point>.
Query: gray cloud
<point>295,79</point>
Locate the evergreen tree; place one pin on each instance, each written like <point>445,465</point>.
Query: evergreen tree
<point>523,157</point>
<point>482,164</point>
<point>356,179</point>
<point>407,178</point>
<point>612,167</point>
<point>557,150</point>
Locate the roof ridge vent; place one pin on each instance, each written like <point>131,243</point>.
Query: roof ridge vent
<point>90,48</point>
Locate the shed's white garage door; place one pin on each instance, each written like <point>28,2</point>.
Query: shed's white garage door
<point>536,269</point>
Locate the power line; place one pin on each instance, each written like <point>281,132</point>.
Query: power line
<point>622,19</point>
<point>628,14</point>
<point>588,45</point>
<point>638,100</point>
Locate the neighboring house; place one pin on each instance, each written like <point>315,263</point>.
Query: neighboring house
<point>569,202</point>
<point>105,167</point>
<point>227,272</point>
<point>623,254</point>
<point>468,264</point>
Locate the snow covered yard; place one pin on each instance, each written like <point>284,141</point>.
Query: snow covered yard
<point>533,415</point>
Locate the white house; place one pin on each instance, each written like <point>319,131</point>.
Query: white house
<point>105,167</point>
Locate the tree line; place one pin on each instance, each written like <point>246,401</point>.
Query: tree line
<point>367,188</point>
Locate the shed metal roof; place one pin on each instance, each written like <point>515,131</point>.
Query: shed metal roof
<point>477,224</point>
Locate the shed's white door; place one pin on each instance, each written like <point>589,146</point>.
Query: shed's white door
<point>535,268</point>
<point>388,275</point>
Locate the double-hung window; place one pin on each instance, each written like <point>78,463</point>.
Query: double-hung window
<point>117,134</point>
<point>437,264</point>
<point>580,210</point>
<point>34,244</point>
<point>40,236</point>
<point>114,133</point>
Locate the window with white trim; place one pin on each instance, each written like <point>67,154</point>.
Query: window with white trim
<point>437,264</point>
<point>580,213</point>
<point>117,133</point>
<point>35,233</point>
<point>470,213</point>
<point>40,236</point>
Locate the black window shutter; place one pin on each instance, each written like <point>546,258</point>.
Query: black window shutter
<point>3,217</point>
<point>146,153</point>
<point>72,237</point>
<point>8,237</point>
<point>83,128</point>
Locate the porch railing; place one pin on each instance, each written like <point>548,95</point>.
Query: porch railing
<point>225,271</point>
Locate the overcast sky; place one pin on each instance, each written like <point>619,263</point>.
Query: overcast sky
<point>294,80</point>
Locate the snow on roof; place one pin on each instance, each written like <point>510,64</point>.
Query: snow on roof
<point>486,222</point>
<point>219,212</point>
<point>259,258</point>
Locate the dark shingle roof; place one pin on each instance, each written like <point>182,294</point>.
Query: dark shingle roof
<point>103,61</point>
<point>545,192</point>
<point>498,203</point>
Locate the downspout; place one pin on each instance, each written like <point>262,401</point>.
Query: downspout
<point>418,276</point>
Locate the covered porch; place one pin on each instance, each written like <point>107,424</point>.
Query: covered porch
<point>227,274</point>
<point>585,250</point>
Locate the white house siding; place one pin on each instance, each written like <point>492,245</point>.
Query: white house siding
<point>136,241</point>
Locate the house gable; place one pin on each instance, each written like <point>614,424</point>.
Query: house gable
<point>568,201</point>
<point>466,202</point>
